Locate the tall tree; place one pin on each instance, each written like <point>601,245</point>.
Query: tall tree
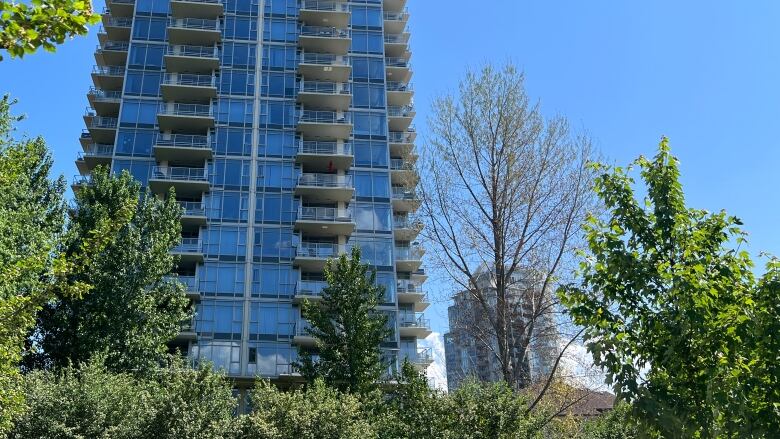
<point>503,193</point>
<point>132,311</point>
<point>347,327</point>
<point>672,310</point>
<point>26,26</point>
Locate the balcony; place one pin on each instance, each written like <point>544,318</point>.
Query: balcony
<point>188,58</point>
<point>322,94</point>
<point>121,8</point>
<point>409,292</point>
<point>188,87</point>
<point>324,221</point>
<point>395,22</point>
<point>174,116</point>
<point>402,172</point>
<point>198,31</point>
<point>324,13</point>
<point>117,28</point>
<point>324,66</point>
<point>325,187</point>
<point>318,124</point>
<point>112,53</point>
<point>101,129</point>
<point>405,229</point>
<point>408,258</point>
<point>190,286</point>
<point>404,199</point>
<point>186,180</point>
<point>108,77</point>
<point>399,93</point>
<point>189,250</point>
<point>187,332</point>
<point>105,102</point>
<point>399,119</point>
<point>302,336</point>
<point>401,143</point>
<point>421,359</point>
<point>80,181</point>
<point>197,8</point>
<point>398,69</point>
<point>397,45</point>
<point>193,213</point>
<point>411,324</point>
<point>182,148</point>
<point>94,155</point>
<point>324,39</point>
<point>309,290</point>
<point>312,256</point>
<point>393,5</point>
<point>324,156</point>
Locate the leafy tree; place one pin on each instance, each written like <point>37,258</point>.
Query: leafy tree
<point>26,26</point>
<point>131,311</point>
<point>617,424</point>
<point>347,327</point>
<point>673,312</point>
<point>92,402</point>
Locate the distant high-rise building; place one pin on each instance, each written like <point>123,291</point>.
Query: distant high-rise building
<point>471,345</point>
<point>285,127</point>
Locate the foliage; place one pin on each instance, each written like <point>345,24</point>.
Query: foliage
<point>92,402</point>
<point>347,327</point>
<point>26,26</point>
<point>616,424</point>
<point>674,314</point>
<point>131,311</point>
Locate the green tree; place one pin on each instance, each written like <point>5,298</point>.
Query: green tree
<point>672,310</point>
<point>347,327</point>
<point>26,26</point>
<point>132,311</point>
<point>617,424</point>
<point>92,402</point>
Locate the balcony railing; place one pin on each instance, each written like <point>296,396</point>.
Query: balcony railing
<point>190,282</point>
<point>324,87</point>
<point>192,208</point>
<point>102,122</point>
<point>399,86</point>
<point>397,62</point>
<point>188,245</point>
<point>178,109</point>
<point>402,193</point>
<point>396,16</point>
<point>183,141</point>
<point>402,111</point>
<point>407,286</point>
<point>104,95</point>
<point>328,6</point>
<point>411,253</point>
<point>331,214</point>
<point>400,137</point>
<point>323,32</point>
<point>193,51</point>
<point>325,180</point>
<point>116,46</point>
<point>413,320</point>
<point>214,2</point>
<point>319,116</point>
<point>310,287</point>
<point>323,59</point>
<point>81,180</point>
<point>108,70</point>
<point>98,150</point>
<point>190,79</point>
<point>397,38</point>
<point>422,356</point>
<point>194,23</point>
<point>118,21</point>
<point>317,250</point>
<point>324,148</point>
<point>182,173</point>
<point>401,165</point>
<point>403,222</point>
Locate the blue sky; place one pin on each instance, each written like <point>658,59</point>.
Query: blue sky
<point>704,73</point>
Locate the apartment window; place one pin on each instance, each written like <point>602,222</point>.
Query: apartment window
<point>277,114</point>
<point>270,321</point>
<point>387,281</point>
<point>233,141</point>
<point>240,55</point>
<point>146,56</point>
<point>370,185</point>
<point>230,174</point>
<point>241,7</point>
<point>277,144</point>
<point>366,17</point>
<point>239,28</point>
<point>367,42</point>
<point>279,57</point>
<point>376,251</point>
<point>237,82</point>
<point>227,206</point>
<point>226,243</point>
<point>140,170</point>
<point>273,280</point>
<point>368,69</point>
<point>273,208</point>
<point>148,28</point>
<point>272,359</point>
<point>142,114</point>
<point>370,124</point>
<point>224,356</point>
<point>279,85</point>
<point>136,143</point>
<point>368,95</point>
<point>234,112</point>
<point>141,83</point>
<point>370,154</point>
<point>275,176</point>
<point>219,319</point>
<point>371,217</point>
<point>281,7</point>
<point>278,29</point>
<point>152,7</point>
<point>221,279</point>
<point>273,244</point>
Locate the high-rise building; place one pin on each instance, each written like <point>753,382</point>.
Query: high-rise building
<point>285,127</point>
<point>471,344</point>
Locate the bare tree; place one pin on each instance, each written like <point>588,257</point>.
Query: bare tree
<point>504,191</point>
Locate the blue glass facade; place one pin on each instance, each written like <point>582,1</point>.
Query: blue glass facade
<point>285,128</point>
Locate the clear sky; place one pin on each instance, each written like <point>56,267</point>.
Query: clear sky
<point>704,73</point>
